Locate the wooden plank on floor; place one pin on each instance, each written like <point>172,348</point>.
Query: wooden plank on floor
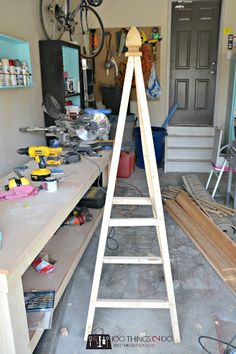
<point>220,258</point>
<point>219,238</point>
<point>205,244</point>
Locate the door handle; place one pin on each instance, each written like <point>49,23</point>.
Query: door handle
<point>212,72</point>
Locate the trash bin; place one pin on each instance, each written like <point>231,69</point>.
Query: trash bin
<point>158,135</point>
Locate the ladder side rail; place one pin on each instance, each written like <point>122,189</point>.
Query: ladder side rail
<point>110,193</point>
<point>155,192</point>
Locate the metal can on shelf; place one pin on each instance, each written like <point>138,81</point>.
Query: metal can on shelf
<point>18,70</point>
<point>5,72</point>
<point>12,72</point>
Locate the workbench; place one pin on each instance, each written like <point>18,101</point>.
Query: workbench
<point>31,225</point>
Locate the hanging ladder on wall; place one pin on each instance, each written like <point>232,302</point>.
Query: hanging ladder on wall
<point>133,43</point>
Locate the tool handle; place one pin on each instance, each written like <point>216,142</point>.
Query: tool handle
<point>41,162</point>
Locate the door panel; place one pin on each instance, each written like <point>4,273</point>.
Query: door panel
<point>193,61</point>
<point>183,42</point>
<point>201,94</point>
<point>181,93</point>
<point>204,49</point>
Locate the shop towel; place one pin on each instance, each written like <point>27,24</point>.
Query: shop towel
<point>18,193</point>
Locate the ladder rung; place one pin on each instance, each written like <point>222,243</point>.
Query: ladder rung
<point>133,303</point>
<point>132,201</point>
<point>132,260</point>
<point>133,222</point>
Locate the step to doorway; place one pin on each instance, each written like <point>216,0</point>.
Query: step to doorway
<point>188,149</point>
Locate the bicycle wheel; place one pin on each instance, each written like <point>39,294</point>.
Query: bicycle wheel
<point>88,32</point>
<point>52,18</point>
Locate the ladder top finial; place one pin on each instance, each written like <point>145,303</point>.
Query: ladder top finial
<point>133,42</point>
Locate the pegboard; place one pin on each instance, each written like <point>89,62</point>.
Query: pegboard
<point>101,78</point>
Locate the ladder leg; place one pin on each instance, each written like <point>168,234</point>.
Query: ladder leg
<point>161,231</point>
<point>209,178</point>
<point>219,178</point>
<point>110,193</point>
<point>155,193</point>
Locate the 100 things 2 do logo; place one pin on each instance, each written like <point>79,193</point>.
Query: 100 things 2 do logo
<point>105,341</point>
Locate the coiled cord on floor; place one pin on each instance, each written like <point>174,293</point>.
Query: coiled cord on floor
<point>229,344</point>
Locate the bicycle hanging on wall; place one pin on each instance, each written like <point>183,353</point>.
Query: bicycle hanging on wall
<point>83,23</point>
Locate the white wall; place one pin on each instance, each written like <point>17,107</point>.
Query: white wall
<point>126,13</point>
<point>21,106</point>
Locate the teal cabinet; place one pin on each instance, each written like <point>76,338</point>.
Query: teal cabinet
<point>15,50</point>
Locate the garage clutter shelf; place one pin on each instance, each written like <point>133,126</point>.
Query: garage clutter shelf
<point>16,50</point>
<point>30,226</point>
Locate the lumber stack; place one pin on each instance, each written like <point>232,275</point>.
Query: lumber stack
<point>208,206</point>
<point>216,246</point>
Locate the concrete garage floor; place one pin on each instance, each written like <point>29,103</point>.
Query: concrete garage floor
<point>205,305</point>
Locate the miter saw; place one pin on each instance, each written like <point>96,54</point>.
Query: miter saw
<point>73,132</point>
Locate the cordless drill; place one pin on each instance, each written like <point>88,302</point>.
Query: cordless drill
<point>38,153</point>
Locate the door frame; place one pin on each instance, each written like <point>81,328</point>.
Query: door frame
<point>219,61</point>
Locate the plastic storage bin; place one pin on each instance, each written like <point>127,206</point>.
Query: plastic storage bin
<point>158,135</point>
<point>128,136</point>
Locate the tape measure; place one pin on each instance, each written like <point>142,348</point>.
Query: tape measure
<point>16,182</point>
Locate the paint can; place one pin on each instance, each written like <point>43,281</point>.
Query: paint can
<point>12,73</point>
<point>51,184</point>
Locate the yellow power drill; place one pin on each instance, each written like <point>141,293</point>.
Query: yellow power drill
<point>38,153</point>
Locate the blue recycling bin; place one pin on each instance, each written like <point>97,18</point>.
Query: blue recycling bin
<point>158,135</point>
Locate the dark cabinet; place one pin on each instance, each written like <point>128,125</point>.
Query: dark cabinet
<point>61,74</point>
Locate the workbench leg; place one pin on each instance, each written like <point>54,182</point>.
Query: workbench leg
<point>14,335</point>
<point>105,175</point>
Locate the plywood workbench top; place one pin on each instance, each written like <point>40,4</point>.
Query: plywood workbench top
<point>28,224</point>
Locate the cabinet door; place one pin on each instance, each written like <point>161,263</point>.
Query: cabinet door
<point>51,62</point>
<point>58,60</point>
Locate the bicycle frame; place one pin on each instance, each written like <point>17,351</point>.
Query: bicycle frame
<point>81,21</point>
<point>76,9</point>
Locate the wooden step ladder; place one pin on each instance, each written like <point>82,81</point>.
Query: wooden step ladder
<point>133,43</point>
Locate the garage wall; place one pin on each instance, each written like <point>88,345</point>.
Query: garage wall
<point>22,107</point>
